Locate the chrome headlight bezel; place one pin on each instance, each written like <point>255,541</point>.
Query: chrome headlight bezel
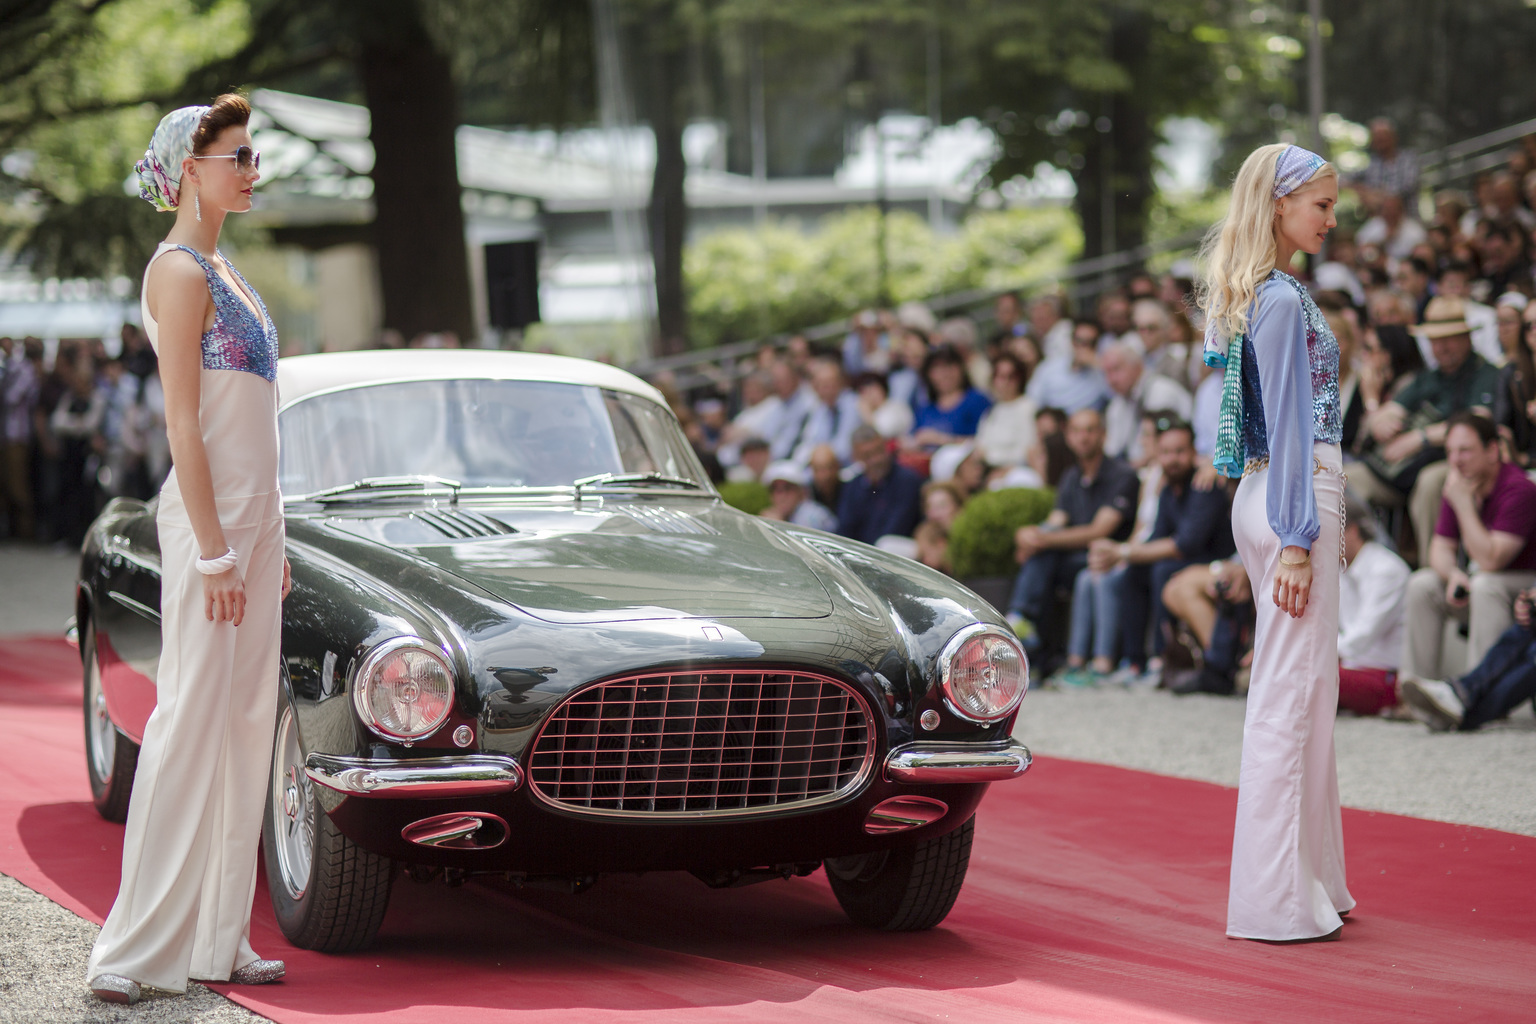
<point>374,660</point>
<point>951,652</point>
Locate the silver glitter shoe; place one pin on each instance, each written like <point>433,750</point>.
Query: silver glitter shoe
<point>259,972</point>
<point>114,988</point>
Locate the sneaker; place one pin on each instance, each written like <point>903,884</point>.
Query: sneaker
<point>1435,703</point>
<point>1125,675</point>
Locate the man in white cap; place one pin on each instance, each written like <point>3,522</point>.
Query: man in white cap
<point>787,482</point>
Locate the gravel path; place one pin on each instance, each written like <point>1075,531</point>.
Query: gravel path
<point>43,951</point>
<point>1484,778</point>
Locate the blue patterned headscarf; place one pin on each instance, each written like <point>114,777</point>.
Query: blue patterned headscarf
<point>1293,169</point>
<point>160,170</point>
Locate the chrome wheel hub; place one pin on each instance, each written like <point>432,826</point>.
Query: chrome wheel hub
<point>103,733</point>
<point>293,816</point>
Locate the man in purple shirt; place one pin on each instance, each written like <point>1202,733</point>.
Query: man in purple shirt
<point>1488,514</point>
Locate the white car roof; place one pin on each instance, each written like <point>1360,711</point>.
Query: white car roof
<point>298,377</point>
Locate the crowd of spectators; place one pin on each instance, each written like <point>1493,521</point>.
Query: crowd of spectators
<point>78,426</point>
<point>1132,578</point>
<point>888,434</point>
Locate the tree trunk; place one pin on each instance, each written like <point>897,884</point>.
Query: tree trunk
<point>1126,149</point>
<point>419,225</point>
<point>669,208</point>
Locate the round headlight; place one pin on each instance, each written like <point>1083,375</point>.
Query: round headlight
<point>983,673</point>
<point>404,689</point>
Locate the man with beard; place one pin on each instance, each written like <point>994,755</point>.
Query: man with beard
<point>1191,526</point>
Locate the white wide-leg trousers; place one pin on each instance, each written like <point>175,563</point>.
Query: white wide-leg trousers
<point>194,820</point>
<point>1288,846</point>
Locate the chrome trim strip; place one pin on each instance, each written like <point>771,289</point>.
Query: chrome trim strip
<point>943,763</point>
<point>861,777</point>
<point>427,778</point>
<point>900,813</point>
<point>137,606</point>
<point>947,656</point>
<point>72,632</point>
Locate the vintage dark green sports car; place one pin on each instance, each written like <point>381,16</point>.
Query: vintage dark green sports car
<point>527,637</point>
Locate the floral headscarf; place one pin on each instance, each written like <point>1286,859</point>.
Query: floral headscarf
<point>160,170</point>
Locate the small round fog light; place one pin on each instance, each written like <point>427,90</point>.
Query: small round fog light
<point>463,736</point>
<point>929,719</point>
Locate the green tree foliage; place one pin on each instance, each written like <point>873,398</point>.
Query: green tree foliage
<point>750,282</point>
<point>981,539</point>
<point>1444,69</point>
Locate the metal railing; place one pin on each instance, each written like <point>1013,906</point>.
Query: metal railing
<point>1480,153</point>
<point>1083,279</point>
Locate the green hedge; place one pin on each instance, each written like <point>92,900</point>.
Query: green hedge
<point>748,495</point>
<point>981,541</point>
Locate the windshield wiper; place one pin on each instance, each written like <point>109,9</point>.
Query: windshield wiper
<point>604,479</point>
<point>425,483</point>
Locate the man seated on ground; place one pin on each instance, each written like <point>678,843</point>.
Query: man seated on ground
<point>886,498</point>
<point>1489,513</point>
<point>1074,382</point>
<point>1215,603</point>
<point>1134,390</point>
<point>1371,605</point>
<point>1410,430</point>
<point>1191,526</point>
<point>1096,499</point>
<point>787,482</point>
<point>1501,682</point>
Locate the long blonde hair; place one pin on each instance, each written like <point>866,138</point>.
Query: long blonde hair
<point>1240,251</point>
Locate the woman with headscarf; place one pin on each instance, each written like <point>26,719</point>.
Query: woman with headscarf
<point>183,909</point>
<point>1279,430</point>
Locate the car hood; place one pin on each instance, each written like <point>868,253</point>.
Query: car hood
<point>609,563</point>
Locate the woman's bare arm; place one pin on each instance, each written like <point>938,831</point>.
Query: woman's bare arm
<point>180,303</point>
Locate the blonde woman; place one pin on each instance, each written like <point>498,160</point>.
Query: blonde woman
<point>1279,430</point>
<point>183,907</point>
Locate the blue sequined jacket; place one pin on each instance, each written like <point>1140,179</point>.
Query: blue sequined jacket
<point>1290,400</point>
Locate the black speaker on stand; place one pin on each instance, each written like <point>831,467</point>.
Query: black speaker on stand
<point>512,284</point>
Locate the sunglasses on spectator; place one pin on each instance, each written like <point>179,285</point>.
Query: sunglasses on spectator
<point>246,159</point>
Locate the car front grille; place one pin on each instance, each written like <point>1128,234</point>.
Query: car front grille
<point>703,744</point>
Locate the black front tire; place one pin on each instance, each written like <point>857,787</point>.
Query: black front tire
<point>111,759</point>
<point>905,889</point>
<point>336,902</point>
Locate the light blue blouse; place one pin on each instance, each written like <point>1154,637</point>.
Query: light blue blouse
<point>1290,400</point>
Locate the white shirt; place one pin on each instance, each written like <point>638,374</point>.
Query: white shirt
<point>1122,420</point>
<point>1399,244</point>
<point>1372,598</point>
<point>1007,431</point>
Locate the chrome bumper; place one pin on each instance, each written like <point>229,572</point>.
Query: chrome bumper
<point>428,778</point>
<point>942,762</point>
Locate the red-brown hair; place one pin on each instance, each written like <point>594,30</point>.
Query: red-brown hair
<point>229,110</point>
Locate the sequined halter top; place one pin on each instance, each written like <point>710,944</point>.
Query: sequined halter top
<point>238,339</point>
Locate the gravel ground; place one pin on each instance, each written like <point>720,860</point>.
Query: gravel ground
<point>43,950</point>
<point>1483,778</point>
<point>1383,765</point>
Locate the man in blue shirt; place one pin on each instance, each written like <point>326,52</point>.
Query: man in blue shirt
<point>1075,382</point>
<point>884,499</point>
<point>1191,526</point>
<point>833,417</point>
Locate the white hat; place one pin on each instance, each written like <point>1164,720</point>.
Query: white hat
<point>947,459</point>
<point>1512,299</point>
<point>788,471</point>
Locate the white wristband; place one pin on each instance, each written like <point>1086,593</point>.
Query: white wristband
<point>214,566</point>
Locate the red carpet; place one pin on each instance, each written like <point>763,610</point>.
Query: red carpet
<point>1095,894</point>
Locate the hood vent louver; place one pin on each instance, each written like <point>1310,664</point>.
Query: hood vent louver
<point>666,520</point>
<point>461,524</point>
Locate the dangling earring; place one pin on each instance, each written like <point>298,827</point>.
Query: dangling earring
<point>197,206</point>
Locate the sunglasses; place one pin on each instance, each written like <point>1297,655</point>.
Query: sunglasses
<point>246,159</point>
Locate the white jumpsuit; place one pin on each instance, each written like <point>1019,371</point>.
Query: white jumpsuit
<point>194,821</point>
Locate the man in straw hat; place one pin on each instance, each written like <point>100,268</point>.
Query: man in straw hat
<point>1407,462</point>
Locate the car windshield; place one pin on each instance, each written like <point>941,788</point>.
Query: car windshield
<point>480,433</point>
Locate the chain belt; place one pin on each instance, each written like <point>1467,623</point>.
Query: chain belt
<point>1254,465</point>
